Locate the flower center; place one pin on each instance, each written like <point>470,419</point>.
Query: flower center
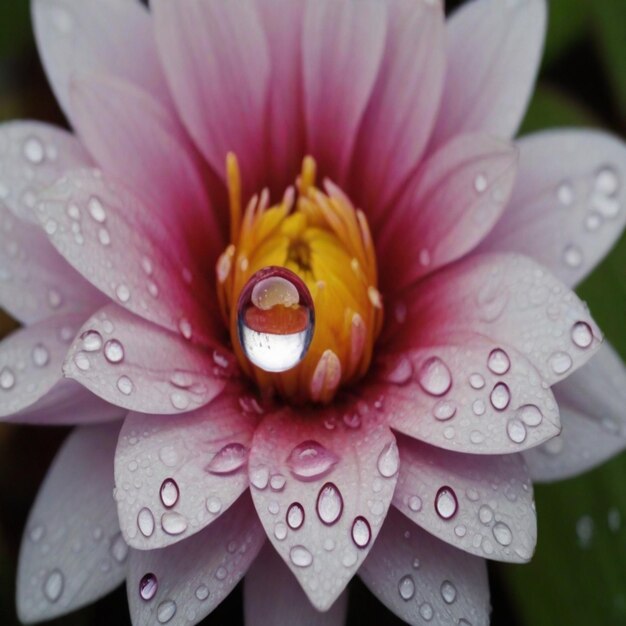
<point>319,237</point>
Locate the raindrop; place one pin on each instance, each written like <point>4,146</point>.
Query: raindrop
<point>104,238</point>
<point>498,362</point>
<point>500,396</point>
<point>277,482</point>
<point>169,493</point>
<point>415,504</point>
<point>125,385</point>
<point>444,410</point>
<point>229,459</point>
<point>446,503</point>
<point>502,533</point>
<point>280,531</point>
<point>593,222</point>
<point>260,477</point>
<point>53,585</point>
<point>166,610</point>
<point>34,150</point>
<point>310,460</point>
<point>145,522</point>
<point>96,210</point>
<point>295,516</point>
<point>478,406</point>
<point>389,460</point>
<point>329,504</point>
<point>202,593</point>
<point>148,586</point>
<point>485,514</point>
<point>530,415</point>
<point>476,381</point>
<point>80,359</point>
<point>582,335</point>
<point>406,588</point>
<point>123,293</point>
<point>221,573</point>
<point>434,376</point>
<point>213,505</point>
<point>179,400</point>
<point>560,362</point>
<point>36,533</point>
<point>119,548</point>
<point>516,430</point>
<point>426,611</point>
<point>173,523</point>
<point>607,181</point>
<point>572,256</point>
<point>113,351</point>
<point>275,319</point>
<point>361,532</point>
<point>41,356</point>
<point>300,556</point>
<point>92,341</point>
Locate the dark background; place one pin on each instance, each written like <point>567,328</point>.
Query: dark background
<point>572,580</point>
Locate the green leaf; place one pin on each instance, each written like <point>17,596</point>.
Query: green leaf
<point>15,31</point>
<point>567,22</point>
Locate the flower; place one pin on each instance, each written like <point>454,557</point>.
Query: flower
<point>358,155</point>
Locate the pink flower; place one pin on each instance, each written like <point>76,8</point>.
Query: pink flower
<point>445,327</point>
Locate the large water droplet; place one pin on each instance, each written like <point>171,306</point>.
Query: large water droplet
<point>406,587</point>
<point>500,396</point>
<point>173,523</point>
<point>502,533</point>
<point>448,592</point>
<point>91,341</point>
<point>329,504</point>
<point>310,460</point>
<point>53,585</point>
<point>148,586</point>
<point>145,522</point>
<point>530,415</point>
<point>446,503</point>
<point>275,319</point>
<point>169,493</point>
<point>295,516</point>
<point>389,460</point>
<point>582,335</point>
<point>300,556</point>
<point>113,351</point>
<point>166,610</point>
<point>444,410</point>
<point>560,362</point>
<point>361,532</point>
<point>7,379</point>
<point>119,548</point>
<point>426,611</point>
<point>229,459</point>
<point>202,593</point>
<point>125,385</point>
<point>516,430</point>
<point>434,376</point>
<point>498,362</point>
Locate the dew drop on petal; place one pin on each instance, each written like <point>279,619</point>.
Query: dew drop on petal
<point>148,586</point>
<point>40,355</point>
<point>406,588</point>
<point>260,477</point>
<point>213,505</point>
<point>184,326</point>
<point>114,351</point>
<point>145,522</point>
<point>560,362</point>
<point>173,523</point>
<point>202,593</point>
<point>166,611</point>
<point>96,210</point>
<point>123,293</point>
<point>295,516</point>
<point>582,335</point>
<point>446,503</point>
<point>228,459</point>
<point>53,585</point>
<point>389,460</point>
<point>426,611</point>
<point>500,396</point>
<point>91,341</point>
<point>169,493</point>
<point>476,381</point>
<point>310,460</point>
<point>444,410</point>
<point>329,504</point>
<point>361,532</point>
<point>498,362</point>
<point>516,430</point>
<point>81,361</point>
<point>277,482</point>
<point>565,193</point>
<point>530,415</point>
<point>275,319</point>
<point>300,556</point>
<point>125,385</point>
<point>7,379</point>
<point>572,256</point>
<point>434,376</point>
<point>502,533</point>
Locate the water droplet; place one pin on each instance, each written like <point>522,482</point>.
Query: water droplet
<point>498,361</point>
<point>119,548</point>
<point>123,293</point>
<point>173,523</point>
<point>104,237</point>
<point>329,504</point>
<point>400,372</point>
<point>277,482</point>
<point>572,256</point>
<point>40,355</point>
<point>53,585</point>
<point>444,410</point>
<point>202,593</point>
<point>446,503</point>
<point>310,460</point>
<point>148,586</point>
<point>92,341</point>
<point>607,181</point>
<point>81,360</point>
<point>229,459</point>
<point>516,430</point>
<point>476,381</point>
<point>169,493</point>
<point>295,516</point>
<point>502,533</point>
<point>500,396</point>
<point>560,362</point>
<point>480,183</point>
<point>260,477</point>
<point>145,522</point>
<point>582,335</point>
<point>7,379</point>
<point>221,573</point>
<point>213,505</point>
<point>478,406</point>
<point>179,400</point>
<point>36,533</point>
<point>96,210</point>
<point>530,415</point>
<point>280,531</point>
<point>275,319</point>
<point>166,610</point>
<point>406,587</point>
<point>300,556</point>
<point>185,328</point>
<point>113,351</point>
<point>125,385</point>
<point>565,193</point>
<point>485,514</point>
<point>434,376</point>
<point>389,460</point>
<point>426,611</point>
<point>361,532</point>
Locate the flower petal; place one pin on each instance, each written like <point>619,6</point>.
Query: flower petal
<point>33,155</point>
<point>195,575</point>
<point>569,202</point>
<point>72,552</point>
<point>508,298</point>
<point>35,280</point>
<point>139,366</point>
<point>468,394</point>
<point>216,59</point>
<point>110,237</point>
<point>341,39</point>
<point>405,99</point>
<point>452,202</point>
<point>418,577</point>
<point>322,489</point>
<point>480,504</point>
<point>78,37</point>
<point>592,402</point>
<point>494,49</point>
<point>31,361</point>
<point>181,471</point>
<point>283,602</point>
<point>117,122</point>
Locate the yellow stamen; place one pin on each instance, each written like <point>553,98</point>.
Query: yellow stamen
<point>321,237</point>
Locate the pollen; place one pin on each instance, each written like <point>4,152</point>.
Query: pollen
<point>320,237</point>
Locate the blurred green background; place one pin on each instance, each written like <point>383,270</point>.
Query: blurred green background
<point>578,575</point>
